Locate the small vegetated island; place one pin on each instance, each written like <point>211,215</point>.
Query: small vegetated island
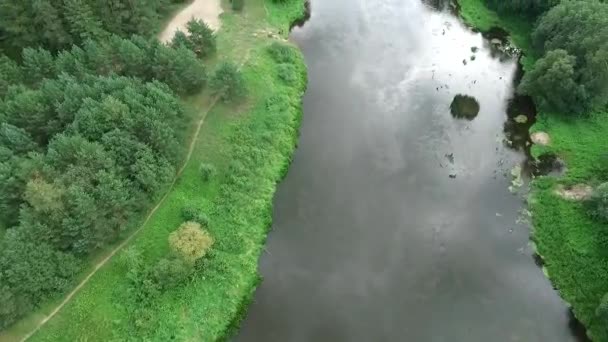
<point>464,107</point>
<point>136,176</point>
<point>565,45</point>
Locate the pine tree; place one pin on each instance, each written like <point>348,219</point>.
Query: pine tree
<point>82,22</point>
<point>48,25</point>
<point>202,38</point>
<point>10,74</point>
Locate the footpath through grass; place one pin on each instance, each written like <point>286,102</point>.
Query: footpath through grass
<point>250,145</point>
<point>574,247</point>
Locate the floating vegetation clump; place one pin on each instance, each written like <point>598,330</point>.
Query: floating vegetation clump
<point>464,107</point>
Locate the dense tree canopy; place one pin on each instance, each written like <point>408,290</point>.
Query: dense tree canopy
<point>78,157</point>
<point>135,57</point>
<point>57,24</point>
<point>524,7</point>
<point>552,82</point>
<point>572,75</point>
<point>89,116</point>
<point>31,272</point>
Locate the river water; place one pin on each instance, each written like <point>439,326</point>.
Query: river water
<point>395,222</point>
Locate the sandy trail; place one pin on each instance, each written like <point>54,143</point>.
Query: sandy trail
<point>207,10</point>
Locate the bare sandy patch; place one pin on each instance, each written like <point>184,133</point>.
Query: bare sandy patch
<point>578,192</point>
<point>207,10</point>
<point>540,138</point>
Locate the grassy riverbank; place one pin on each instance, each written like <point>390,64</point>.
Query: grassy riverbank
<point>572,244</point>
<point>477,15</point>
<point>250,145</point>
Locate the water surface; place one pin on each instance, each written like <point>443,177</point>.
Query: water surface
<point>395,222</point>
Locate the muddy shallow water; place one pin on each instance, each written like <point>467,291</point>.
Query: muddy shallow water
<point>395,222</point>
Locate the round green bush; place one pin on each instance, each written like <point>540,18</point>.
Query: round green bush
<point>189,212</point>
<point>282,53</point>
<point>287,73</point>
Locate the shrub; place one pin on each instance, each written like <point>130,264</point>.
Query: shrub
<point>227,82</point>
<point>194,214</point>
<point>287,73</point>
<point>189,212</point>
<point>207,171</point>
<point>170,272</point>
<point>599,202</point>
<point>238,5</point>
<point>190,242</point>
<point>202,219</point>
<point>282,53</point>
<point>131,259</point>
<point>602,310</point>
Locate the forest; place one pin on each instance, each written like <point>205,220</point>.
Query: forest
<point>90,122</point>
<point>59,24</point>
<point>571,40</point>
<point>566,73</point>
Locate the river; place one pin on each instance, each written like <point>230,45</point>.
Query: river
<point>395,222</point>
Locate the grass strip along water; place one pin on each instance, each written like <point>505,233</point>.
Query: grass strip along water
<point>570,242</point>
<point>249,145</point>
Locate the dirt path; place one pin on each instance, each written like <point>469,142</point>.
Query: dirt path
<point>207,10</point>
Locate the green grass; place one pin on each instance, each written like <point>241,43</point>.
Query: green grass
<point>250,145</point>
<point>574,249</point>
<point>476,14</point>
<point>581,142</point>
<point>573,246</point>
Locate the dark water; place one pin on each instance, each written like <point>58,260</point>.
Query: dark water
<point>395,222</point>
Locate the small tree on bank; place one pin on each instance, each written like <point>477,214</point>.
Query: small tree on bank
<point>227,82</point>
<point>190,242</point>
